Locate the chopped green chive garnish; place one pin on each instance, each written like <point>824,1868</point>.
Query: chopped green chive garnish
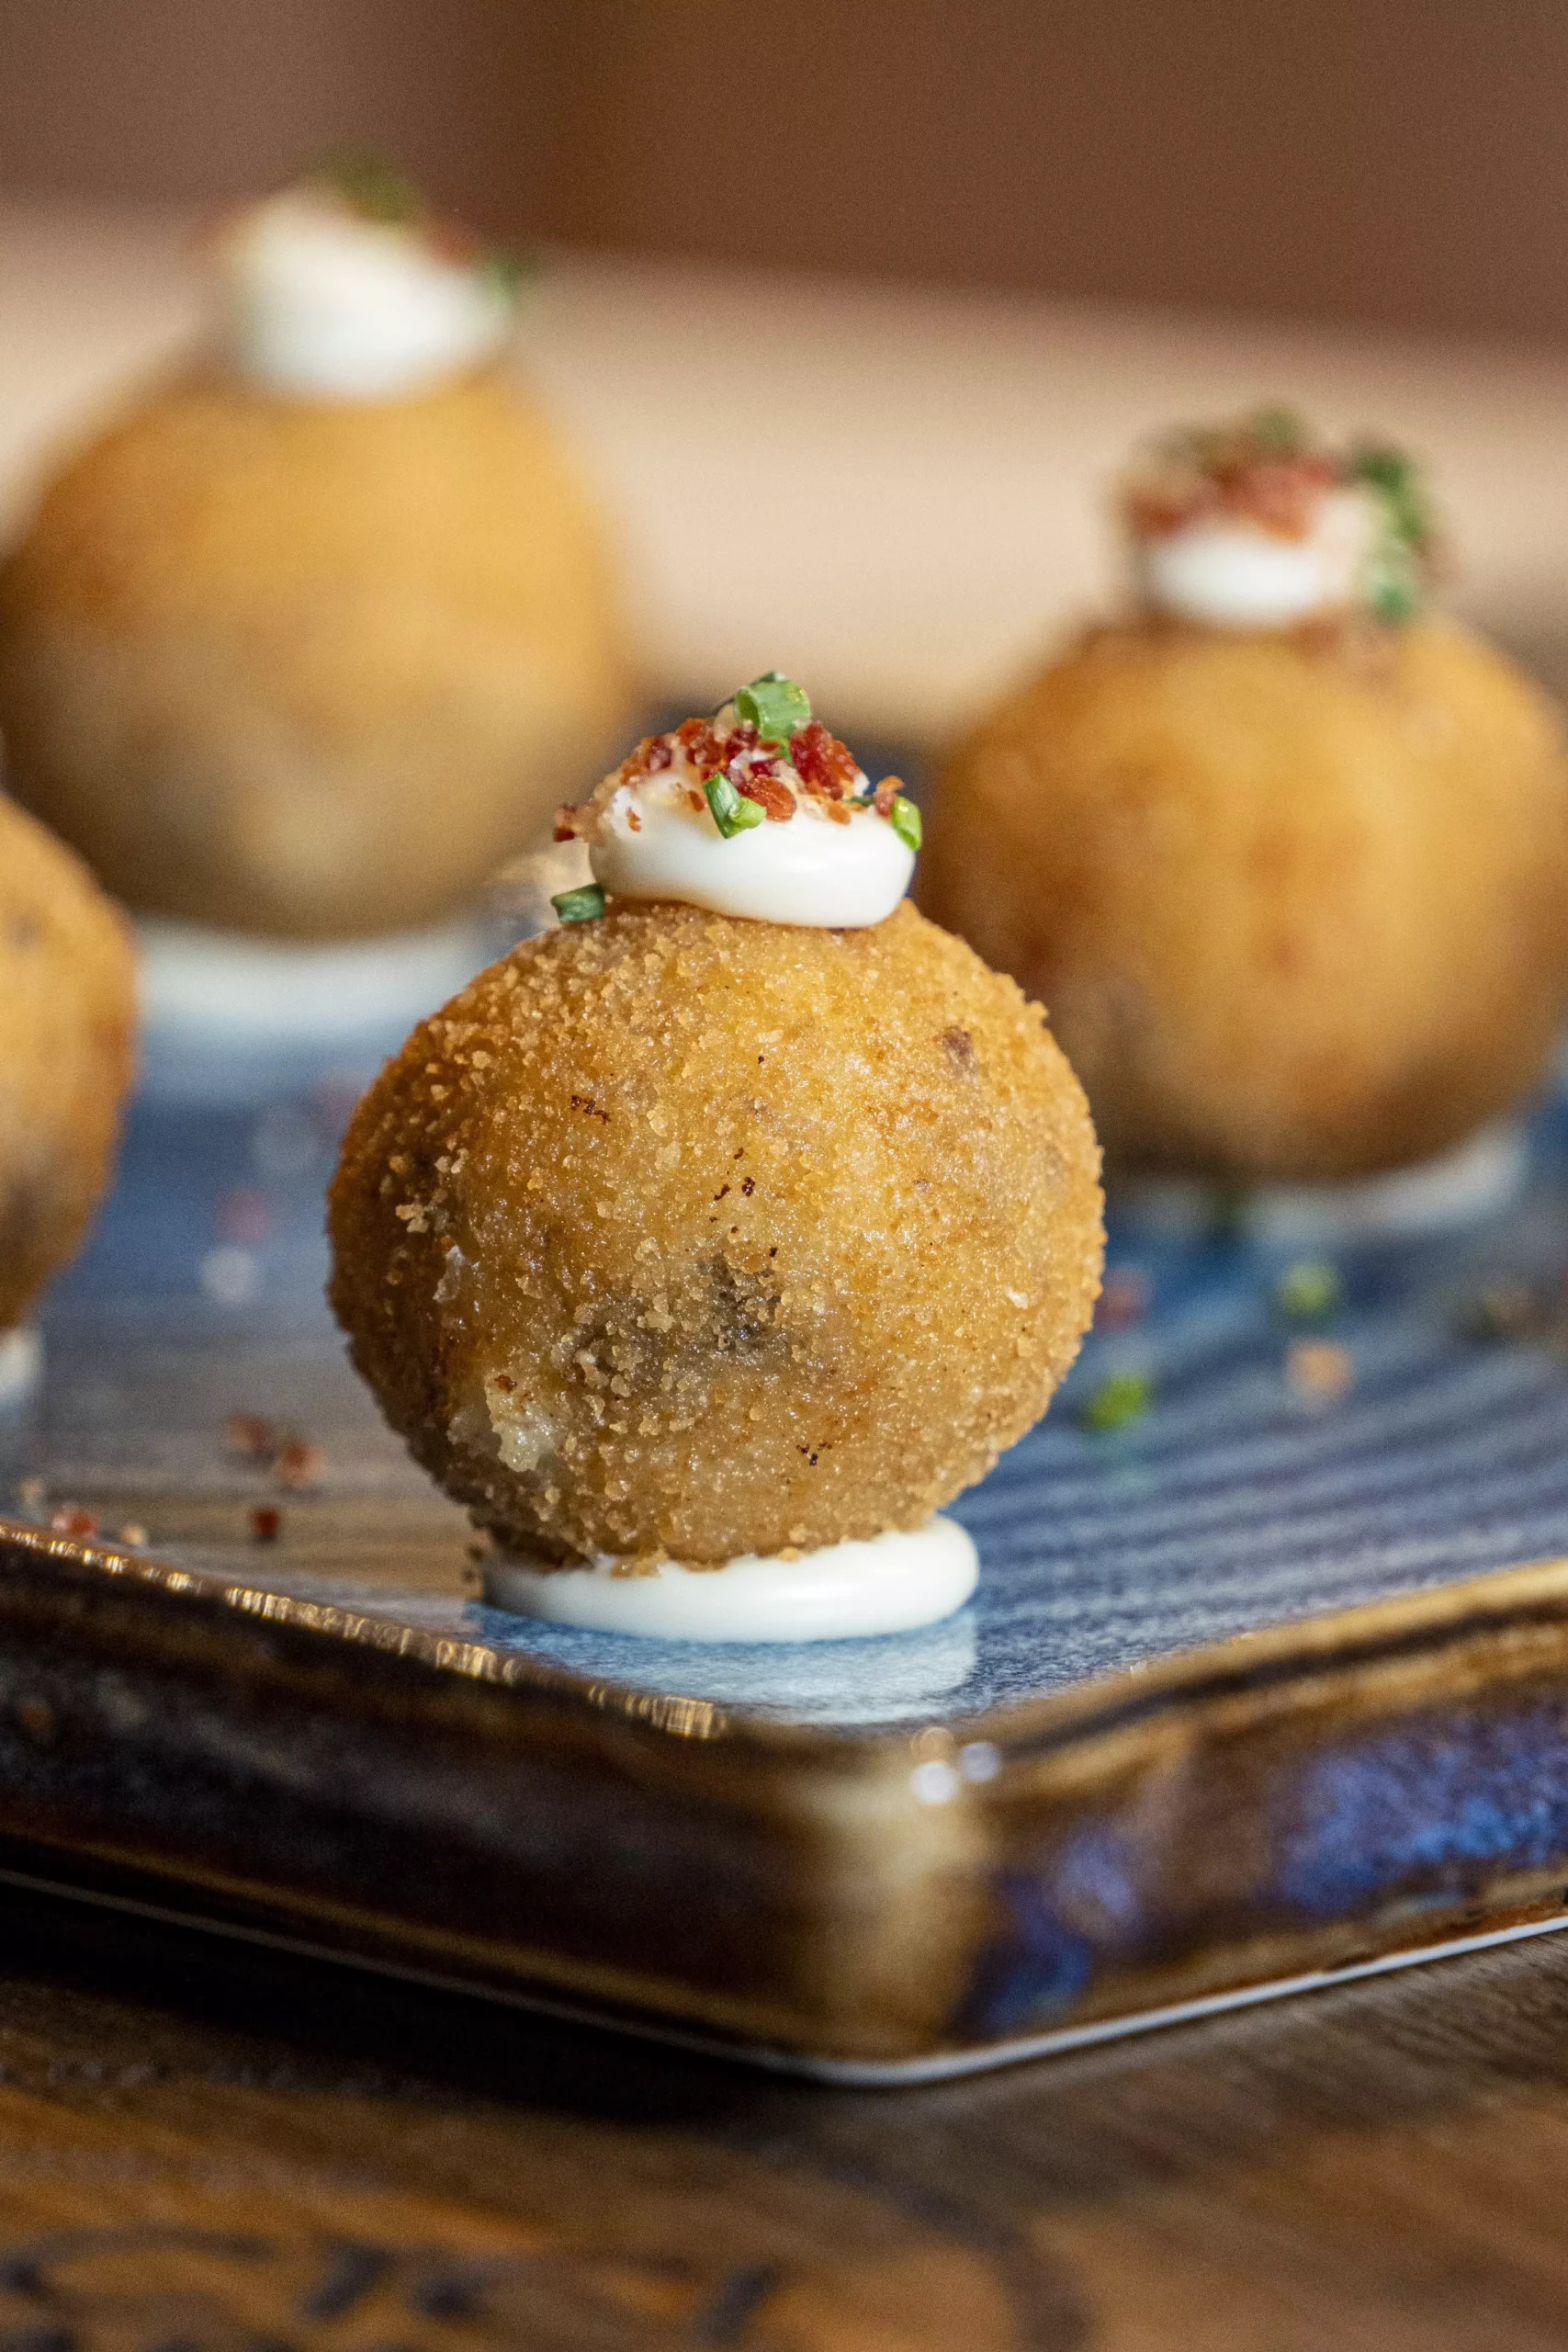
<point>579,906</point>
<point>1393,583</point>
<point>905,818</point>
<point>1279,432</point>
<point>732,812</point>
<point>1396,573</point>
<point>1308,1291</point>
<point>508,271</point>
<point>372,185</point>
<point>1125,1396</point>
<point>774,706</point>
<point>1397,482</point>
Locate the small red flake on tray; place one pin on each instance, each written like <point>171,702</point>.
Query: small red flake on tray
<point>247,1435</point>
<point>70,1519</point>
<point>243,1218</point>
<point>1123,1299</point>
<point>267,1523</point>
<point>1319,1371</point>
<point>298,1464</point>
<point>292,1460</point>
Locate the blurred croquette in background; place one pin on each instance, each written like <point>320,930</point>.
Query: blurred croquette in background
<point>848,314</point>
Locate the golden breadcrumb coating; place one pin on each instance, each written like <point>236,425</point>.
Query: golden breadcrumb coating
<point>67,1025</point>
<point>1299,905</point>
<point>310,667</point>
<point>679,1235</point>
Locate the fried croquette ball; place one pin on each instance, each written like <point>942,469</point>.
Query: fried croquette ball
<point>67,1020</point>
<point>1290,860</point>
<point>311,668</point>
<point>1300,910</point>
<point>681,1235</point>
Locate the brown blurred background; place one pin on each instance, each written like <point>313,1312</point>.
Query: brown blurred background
<point>897,282</point>
<point>1398,162</point>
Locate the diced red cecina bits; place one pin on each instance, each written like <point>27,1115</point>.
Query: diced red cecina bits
<point>886,792</point>
<point>823,765</point>
<point>695,798</point>
<point>267,1523</point>
<point>771,792</point>
<point>633,822</point>
<point>703,746</point>
<point>1282,492</point>
<point>566,823</point>
<point>654,752</point>
<point>70,1519</point>
<point>837,813</point>
<point>1154,512</point>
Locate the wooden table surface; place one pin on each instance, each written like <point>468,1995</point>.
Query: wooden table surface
<point>204,2145</point>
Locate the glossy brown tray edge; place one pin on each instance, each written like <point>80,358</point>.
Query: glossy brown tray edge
<point>855,1905</point>
<point>37,1872</point>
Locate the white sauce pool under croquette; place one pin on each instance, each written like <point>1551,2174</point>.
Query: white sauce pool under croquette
<point>315,300</point>
<point>890,1585</point>
<point>685,1242</point>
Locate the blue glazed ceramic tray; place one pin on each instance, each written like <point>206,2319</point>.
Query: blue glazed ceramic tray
<point>1238,1499</point>
<point>1246,1700</point>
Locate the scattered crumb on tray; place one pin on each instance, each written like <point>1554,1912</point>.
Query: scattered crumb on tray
<point>1319,1371</point>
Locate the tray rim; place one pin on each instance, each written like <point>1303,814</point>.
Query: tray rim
<point>1340,1641</point>
<point>895,1872</point>
<point>843,2073</point>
